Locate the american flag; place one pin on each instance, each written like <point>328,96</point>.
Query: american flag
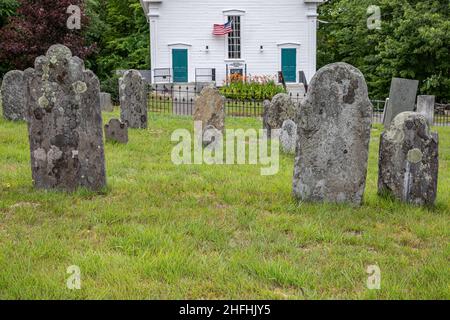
<point>222,29</point>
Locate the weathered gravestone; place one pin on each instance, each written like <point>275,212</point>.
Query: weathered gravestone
<point>408,161</point>
<point>116,131</point>
<point>209,108</point>
<point>333,137</point>
<point>425,106</point>
<point>64,123</point>
<point>280,109</point>
<point>133,100</point>
<point>105,102</point>
<point>288,137</point>
<point>402,97</point>
<point>14,96</point>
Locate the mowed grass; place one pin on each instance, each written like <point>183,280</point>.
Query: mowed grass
<point>161,231</point>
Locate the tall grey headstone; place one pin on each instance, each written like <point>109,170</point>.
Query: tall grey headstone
<point>116,131</point>
<point>280,109</point>
<point>425,106</point>
<point>133,100</point>
<point>408,160</point>
<point>13,95</point>
<point>402,97</point>
<point>333,137</point>
<point>105,102</point>
<point>64,123</point>
<point>288,137</point>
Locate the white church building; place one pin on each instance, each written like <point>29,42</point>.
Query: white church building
<point>266,37</point>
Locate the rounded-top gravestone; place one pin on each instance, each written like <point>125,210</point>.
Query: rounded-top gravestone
<point>116,131</point>
<point>408,162</point>
<point>13,95</point>
<point>64,123</point>
<point>133,99</point>
<point>333,137</point>
<point>280,109</point>
<point>106,102</point>
<point>209,108</point>
<point>288,137</point>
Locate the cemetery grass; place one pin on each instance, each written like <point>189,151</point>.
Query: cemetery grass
<point>159,231</point>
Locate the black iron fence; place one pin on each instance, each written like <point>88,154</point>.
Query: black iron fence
<point>179,100</point>
<point>442,115</point>
<point>378,111</point>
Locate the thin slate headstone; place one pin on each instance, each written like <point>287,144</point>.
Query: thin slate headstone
<point>288,137</point>
<point>64,123</point>
<point>280,109</point>
<point>386,106</point>
<point>402,97</point>
<point>425,106</point>
<point>409,160</point>
<point>333,137</point>
<point>106,102</point>
<point>116,131</point>
<point>209,108</point>
<point>133,100</point>
<point>13,95</point>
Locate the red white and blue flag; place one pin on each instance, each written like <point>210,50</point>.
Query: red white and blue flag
<point>222,29</point>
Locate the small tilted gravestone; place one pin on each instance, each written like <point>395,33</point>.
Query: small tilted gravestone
<point>64,123</point>
<point>116,131</point>
<point>13,95</point>
<point>280,109</point>
<point>133,100</point>
<point>209,108</point>
<point>425,106</point>
<point>402,97</point>
<point>106,102</point>
<point>408,162</point>
<point>333,137</point>
<point>288,137</point>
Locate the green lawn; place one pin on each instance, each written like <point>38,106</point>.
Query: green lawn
<point>200,232</point>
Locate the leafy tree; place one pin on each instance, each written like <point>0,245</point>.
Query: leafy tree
<point>413,42</point>
<point>7,9</point>
<point>120,30</point>
<point>419,46</point>
<point>37,25</point>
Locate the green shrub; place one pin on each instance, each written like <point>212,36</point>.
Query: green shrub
<point>251,88</point>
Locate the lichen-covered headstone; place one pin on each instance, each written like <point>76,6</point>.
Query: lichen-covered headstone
<point>288,137</point>
<point>280,109</point>
<point>425,106</point>
<point>333,137</point>
<point>408,160</point>
<point>13,95</point>
<point>116,131</point>
<point>209,108</point>
<point>105,102</point>
<point>133,100</point>
<point>64,123</point>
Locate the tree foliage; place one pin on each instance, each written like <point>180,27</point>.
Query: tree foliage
<point>7,9</point>
<point>36,26</point>
<point>413,42</point>
<point>120,30</point>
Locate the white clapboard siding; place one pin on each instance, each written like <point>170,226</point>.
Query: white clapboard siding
<point>273,24</point>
